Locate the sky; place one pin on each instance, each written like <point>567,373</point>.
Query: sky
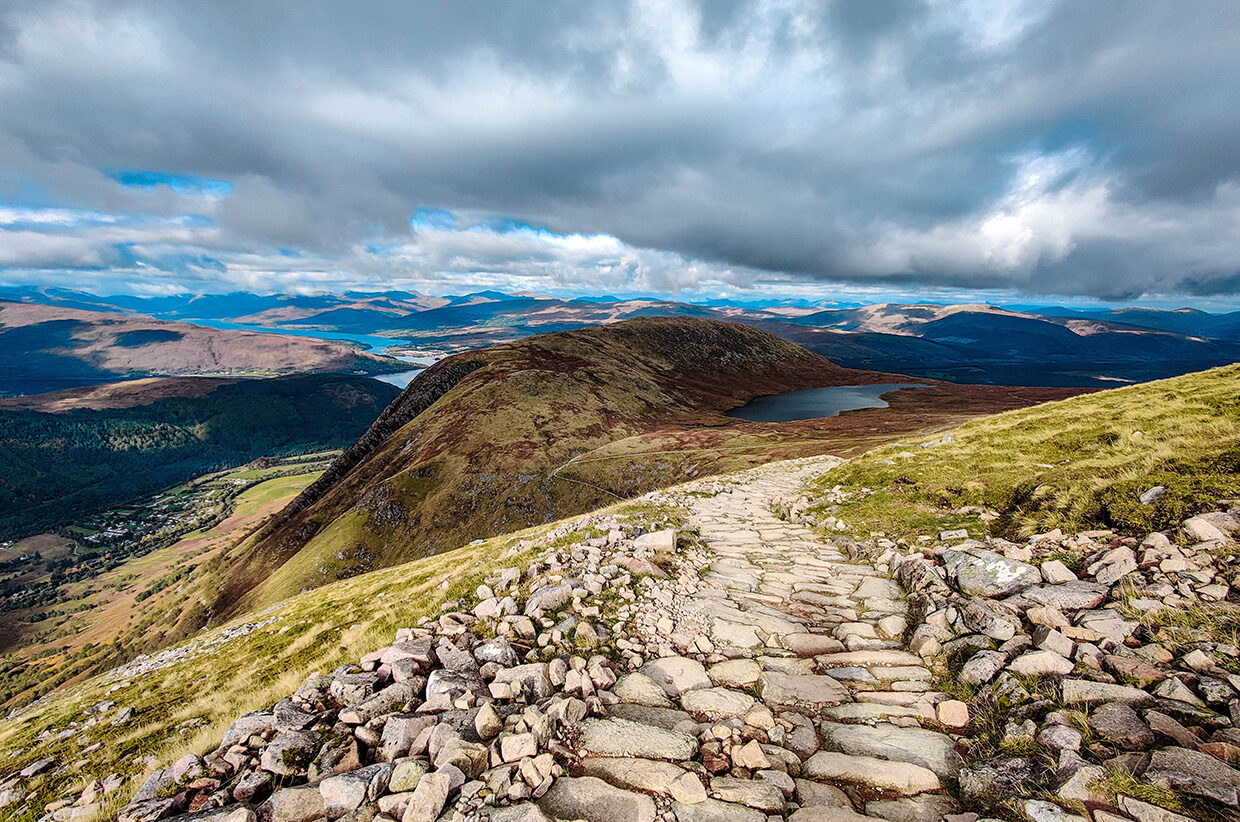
<point>1012,151</point>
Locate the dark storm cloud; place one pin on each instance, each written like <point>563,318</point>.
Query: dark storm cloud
<point>1040,147</point>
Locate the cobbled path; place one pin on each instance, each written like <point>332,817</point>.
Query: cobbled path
<point>821,712</point>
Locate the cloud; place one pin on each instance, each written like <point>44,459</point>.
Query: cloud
<point>661,145</point>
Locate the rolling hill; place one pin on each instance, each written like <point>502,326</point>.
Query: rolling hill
<point>45,348</point>
<point>471,448</point>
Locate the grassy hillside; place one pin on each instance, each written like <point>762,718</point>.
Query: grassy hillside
<point>125,596</point>
<point>56,467</point>
<point>1074,464</point>
<point>491,441</point>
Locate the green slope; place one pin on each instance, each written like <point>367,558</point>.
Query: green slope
<point>1075,464</point>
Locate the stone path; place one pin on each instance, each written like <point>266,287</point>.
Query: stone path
<point>818,711</point>
<point>753,673</point>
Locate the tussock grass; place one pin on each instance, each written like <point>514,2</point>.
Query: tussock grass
<point>1074,464</point>
<point>1115,782</point>
<point>1213,622</point>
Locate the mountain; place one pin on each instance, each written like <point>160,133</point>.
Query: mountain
<point>472,446</point>
<point>526,432</point>
<point>1188,321</point>
<point>71,453</point>
<point>44,348</point>
<point>985,344</point>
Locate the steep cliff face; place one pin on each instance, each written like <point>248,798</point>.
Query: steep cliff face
<point>473,445</point>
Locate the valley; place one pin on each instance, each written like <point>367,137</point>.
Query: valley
<point>70,454</point>
<point>111,587</point>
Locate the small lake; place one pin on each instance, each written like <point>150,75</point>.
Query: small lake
<point>400,379</point>
<point>816,403</point>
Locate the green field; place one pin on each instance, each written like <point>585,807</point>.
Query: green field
<point>134,598</point>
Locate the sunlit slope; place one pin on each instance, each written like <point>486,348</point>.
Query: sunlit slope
<point>1078,463</point>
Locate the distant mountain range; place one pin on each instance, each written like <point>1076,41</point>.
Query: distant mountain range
<point>961,343</point>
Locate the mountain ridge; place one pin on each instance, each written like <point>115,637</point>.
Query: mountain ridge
<point>519,409</point>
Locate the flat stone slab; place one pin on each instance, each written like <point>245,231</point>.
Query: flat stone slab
<point>801,691</point>
<point>712,810</point>
<point>753,793</point>
<point>633,774</point>
<point>735,673</point>
<point>1195,773</point>
<point>621,737</point>
<point>881,774</point>
<point>677,674</point>
<point>714,704</point>
<point>1077,691</point>
<point>924,808</point>
<point>640,689</point>
<point>666,718</point>
<point>870,711</point>
<point>979,572</point>
<point>734,634</point>
<point>917,746</point>
<point>807,645</point>
<point>592,799</point>
<point>821,813</point>
<point>1067,596</point>
<point>868,659</point>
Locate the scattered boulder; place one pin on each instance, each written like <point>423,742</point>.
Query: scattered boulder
<point>976,571</point>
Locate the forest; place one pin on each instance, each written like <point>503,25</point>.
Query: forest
<point>58,467</point>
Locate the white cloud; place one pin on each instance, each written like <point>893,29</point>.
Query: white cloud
<point>670,144</point>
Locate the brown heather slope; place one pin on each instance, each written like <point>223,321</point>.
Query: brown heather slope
<point>496,440</point>
<point>49,343</point>
<point>114,395</point>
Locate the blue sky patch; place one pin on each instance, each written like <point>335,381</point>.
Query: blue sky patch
<point>433,218</point>
<point>180,183</point>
